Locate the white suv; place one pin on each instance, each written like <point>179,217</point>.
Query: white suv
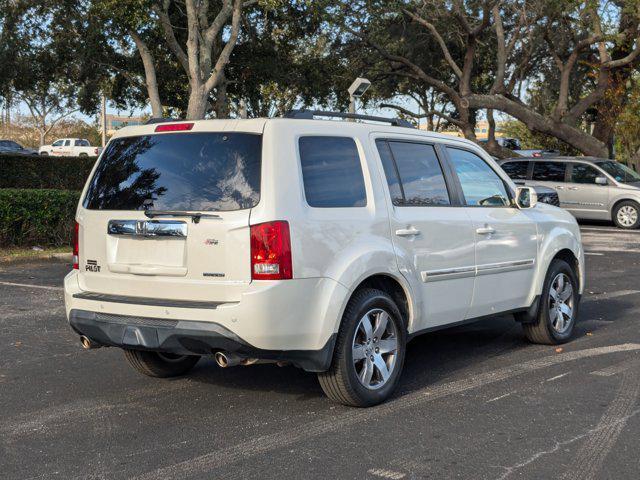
<point>323,244</point>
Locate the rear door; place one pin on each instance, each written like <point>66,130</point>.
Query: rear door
<point>583,196</point>
<point>506,238</point>
<point>553,175</point>
<point>176,254</point>
<point>433,239</point>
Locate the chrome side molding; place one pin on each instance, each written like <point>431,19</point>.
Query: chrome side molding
<point>476,271</point>
<point>148,228</point>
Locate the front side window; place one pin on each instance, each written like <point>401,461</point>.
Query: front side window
<point>67,143</point>
<point>413,174</point>
<point>178,171</point>
<point>620,172</point>
<point>549,171</point>
<point>516,170</point>
<point>582,173</point>
<point>57,143</point>
<point>481,186</point>
<point>331,172</point>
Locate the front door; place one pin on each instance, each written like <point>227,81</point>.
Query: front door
<point>506,238</point>
<point>551,174</point>
<point>433,238</point>
<point>584,198</point>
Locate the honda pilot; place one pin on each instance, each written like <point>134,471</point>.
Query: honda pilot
<point>322,244</point>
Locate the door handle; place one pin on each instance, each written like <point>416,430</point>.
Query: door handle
<point>558,187</point>
<point>407,232</point>
<point>486,230</point>
<point>573,188</point>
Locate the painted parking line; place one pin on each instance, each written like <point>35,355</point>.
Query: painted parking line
<point>598,254</point>
<point>608,295</point>
<point>27,285</point>
<point>260,445</point>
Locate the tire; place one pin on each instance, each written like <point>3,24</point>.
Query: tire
<point>44,154</point>
<point>557,327</point>
<point>626,215</point>
<point>341,382</point>
<point>160,365</point>
<point>83,155</point>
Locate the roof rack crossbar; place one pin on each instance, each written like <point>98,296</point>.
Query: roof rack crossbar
<point>310,114</point>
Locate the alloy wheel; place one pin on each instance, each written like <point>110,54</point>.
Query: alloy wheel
<point>375,348</point>
<point>627,216</point>
<point>561,303</point>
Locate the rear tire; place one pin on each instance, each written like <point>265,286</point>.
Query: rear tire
<point>160,365</point>
<point>626,215</point>
<point>369,352</point>
<point>557,307</point>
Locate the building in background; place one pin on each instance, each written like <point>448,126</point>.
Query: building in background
<point>115,122</point>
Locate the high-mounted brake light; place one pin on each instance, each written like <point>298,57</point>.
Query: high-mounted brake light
<point>174,127</point>
<point>76,246</point>
<point>271,251</point>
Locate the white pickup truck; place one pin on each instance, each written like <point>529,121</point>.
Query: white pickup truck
<point>70,147</point>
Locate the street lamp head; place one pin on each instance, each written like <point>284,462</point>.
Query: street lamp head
<point>358,87</point>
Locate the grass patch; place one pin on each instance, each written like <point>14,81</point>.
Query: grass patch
<point>23,253</point>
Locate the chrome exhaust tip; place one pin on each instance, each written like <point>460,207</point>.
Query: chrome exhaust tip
<point>87,343</point>
<point>226,359</point>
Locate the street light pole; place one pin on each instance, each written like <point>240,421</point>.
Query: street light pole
<point>103,119</point>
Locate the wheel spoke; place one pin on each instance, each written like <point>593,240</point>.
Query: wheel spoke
<point>366,326</point>
<point>381,366</point>
<point>381,324</point>
<point>559,325</point>
<point>560,283</point>
<point>553,294</point>
<point>566,293</point>
<point>388,345</point>
<point>553,313</point>
<point>367,372</point>
<point>358,352</point>
<point>566,310</point>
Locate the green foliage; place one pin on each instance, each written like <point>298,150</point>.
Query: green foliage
<point>66,173</point>
<point>532,140</point>
<point>37,217</point>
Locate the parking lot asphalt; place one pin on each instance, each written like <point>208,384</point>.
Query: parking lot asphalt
<point>475,402</point>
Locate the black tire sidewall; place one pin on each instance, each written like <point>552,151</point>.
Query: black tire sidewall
<point>376,299</point>
<point>556,267</point>
<point>618,207</point>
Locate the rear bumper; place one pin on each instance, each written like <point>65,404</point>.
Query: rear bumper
<point>290,320</point>
<point>186,338</point>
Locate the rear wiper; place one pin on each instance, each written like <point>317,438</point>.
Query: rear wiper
<point>195,216</point>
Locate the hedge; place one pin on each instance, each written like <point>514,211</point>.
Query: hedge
<point>65,173</point>
<point>31,217</point>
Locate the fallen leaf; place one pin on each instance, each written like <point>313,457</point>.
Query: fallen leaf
<point>589,334</point>
<point>559,350</point>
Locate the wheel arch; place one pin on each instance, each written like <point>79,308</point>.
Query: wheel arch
<point>562,245</point>
<point>618,201</point>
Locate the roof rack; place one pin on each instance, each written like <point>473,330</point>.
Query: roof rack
<point>153,121</point>
<point>310,114</point>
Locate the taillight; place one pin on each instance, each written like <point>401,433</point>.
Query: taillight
<point>174,127</point>
<point>95,150</point>
<point>271,251</point>
<point>76,246</point>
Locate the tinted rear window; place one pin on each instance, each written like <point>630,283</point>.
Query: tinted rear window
<point>549,171</point>
<point>516,170</point>
<point>178,171</point>
<point>331,172</point>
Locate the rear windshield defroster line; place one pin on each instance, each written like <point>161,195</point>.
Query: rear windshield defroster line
<point>200,171</point>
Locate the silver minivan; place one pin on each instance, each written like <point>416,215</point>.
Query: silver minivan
<point>589,188</point>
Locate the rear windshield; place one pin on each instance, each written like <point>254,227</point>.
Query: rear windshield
<point>178,171</point>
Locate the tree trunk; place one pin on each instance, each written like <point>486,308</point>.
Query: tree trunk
<point>198,102</point>
<point>150,76</point>
<point>222,102</point>
<point>573,136</point>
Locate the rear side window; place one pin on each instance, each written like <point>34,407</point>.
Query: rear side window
<point>178,171</point>
<point>82,143</point>
<point>331,172</point>
<point>549,171</point>
<point>413,174</point>
<point>582,173</point>
<point>516,170</point>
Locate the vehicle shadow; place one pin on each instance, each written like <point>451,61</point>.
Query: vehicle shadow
<point>430,358</point>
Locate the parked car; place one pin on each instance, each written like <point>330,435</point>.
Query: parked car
<point>70,147</point>
<point>537,153</point>
<point>323,244</point>
<point>546,195</point>
<point>589,188</point>
<point>9,146</point>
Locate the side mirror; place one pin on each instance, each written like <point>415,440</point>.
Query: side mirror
<point>601,180</point>
<point>526,197</point>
